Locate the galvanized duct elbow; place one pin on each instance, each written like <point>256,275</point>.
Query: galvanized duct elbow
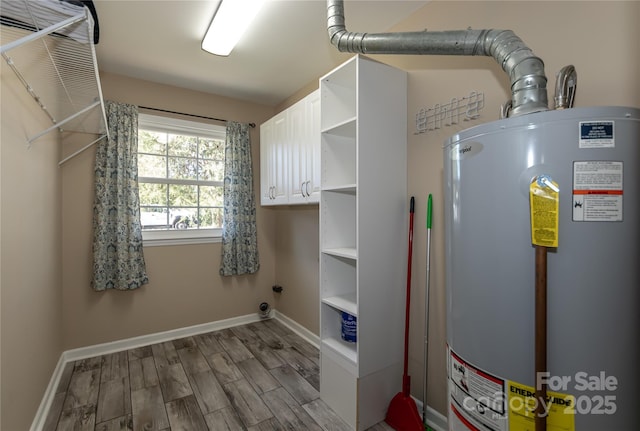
<point>525,70</point>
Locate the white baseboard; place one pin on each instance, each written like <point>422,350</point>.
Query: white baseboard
<point>158,337</point>
<point>436,420</point>
<point>49,394</point>
<point>297,328</point>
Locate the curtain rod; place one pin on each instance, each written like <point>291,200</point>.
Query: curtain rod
<point>253,125</point>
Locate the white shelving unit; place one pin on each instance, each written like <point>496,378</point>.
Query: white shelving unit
<point>363,236</point>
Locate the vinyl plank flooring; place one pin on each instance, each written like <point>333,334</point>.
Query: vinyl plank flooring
<point>288,412</point>
<point>271,424</point>
<point>299,362</point>
<point>88,364</point>
<point>305,348</point>
<point>139,352</point>
<point>256,377</point>
<point>174,382</point>
<point>114,366</point>
<point>381,426</point>
<point>81,418</point>
<point>295,384</point>
<point>225,419</point>
<point>143,373</point>
<point>245,334</point>
<point>271,339</point>
<point>237,351</point>
<point>247,402</point>
<point>208,391</point>
<point>224,368</point>
<point>165,354</point>
<point>314,380</point>
<point>325,416</point>
<point>277,328</point>
<point>193,361</point>
<point>83,389</point>
<point>267,356</point>
<point>185,415</point>
<point>114,399</point>
<point>123,423</point>
<point>208,344</point>
<point>148,410</point>
<point>184,343</point>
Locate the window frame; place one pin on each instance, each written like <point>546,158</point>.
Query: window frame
<point>157,123</point>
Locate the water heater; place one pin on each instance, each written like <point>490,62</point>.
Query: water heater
<point>592,157</point>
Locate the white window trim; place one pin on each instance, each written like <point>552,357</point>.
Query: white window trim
<point>153,238</point>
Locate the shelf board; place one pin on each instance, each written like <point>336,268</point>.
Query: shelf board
<point>343,128</point>
<point>344,350</point>
<point>342,188</point>
<point>348,252</point>
<point>346,303</point>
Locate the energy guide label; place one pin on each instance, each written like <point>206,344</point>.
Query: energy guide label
<point>597,191</point>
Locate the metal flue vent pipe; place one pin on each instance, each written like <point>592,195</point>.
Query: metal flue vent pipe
<point>525,70</point>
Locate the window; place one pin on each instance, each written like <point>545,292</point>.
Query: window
<point>180,175</point>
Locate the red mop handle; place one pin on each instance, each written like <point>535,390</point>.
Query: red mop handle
<point>406,381</point>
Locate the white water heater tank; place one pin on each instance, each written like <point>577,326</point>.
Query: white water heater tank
<point>593,276</point>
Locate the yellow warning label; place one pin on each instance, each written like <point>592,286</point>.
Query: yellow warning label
<point>544,204</point>
<point>558,408</point>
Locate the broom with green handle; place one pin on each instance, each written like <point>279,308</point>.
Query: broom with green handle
<point>426,314</point>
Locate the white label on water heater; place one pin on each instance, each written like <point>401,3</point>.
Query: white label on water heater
<point>596,134</point>
<point>477,398</point>
<point>597,191</point>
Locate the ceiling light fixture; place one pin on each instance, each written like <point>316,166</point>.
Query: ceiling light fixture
<point>229,23</point>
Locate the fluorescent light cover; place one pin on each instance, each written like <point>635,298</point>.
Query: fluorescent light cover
<point>229,24</point>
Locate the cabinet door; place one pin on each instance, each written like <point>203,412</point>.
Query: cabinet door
<point>273,160</point>
<point>312,111</point>
<point>266,166</point>
<point>280,160</point>
<point>304,127</point>
<point>297,153</point>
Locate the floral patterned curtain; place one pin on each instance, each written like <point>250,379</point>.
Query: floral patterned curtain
<point>239,234</point>
<point>118,261</point>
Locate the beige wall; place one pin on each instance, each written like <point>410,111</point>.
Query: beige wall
<point>185,288</point>
<point>31,293</point>
<point>297,264</point>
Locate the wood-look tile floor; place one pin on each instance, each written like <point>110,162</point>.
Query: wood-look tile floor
<point>256,377</point>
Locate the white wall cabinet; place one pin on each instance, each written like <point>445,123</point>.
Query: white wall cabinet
<point>290,154</point>
<point>363,236</point>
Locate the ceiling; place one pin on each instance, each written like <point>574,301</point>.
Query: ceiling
<point>286,47</point>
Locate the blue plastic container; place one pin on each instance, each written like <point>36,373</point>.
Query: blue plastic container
<point>349,327</point>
